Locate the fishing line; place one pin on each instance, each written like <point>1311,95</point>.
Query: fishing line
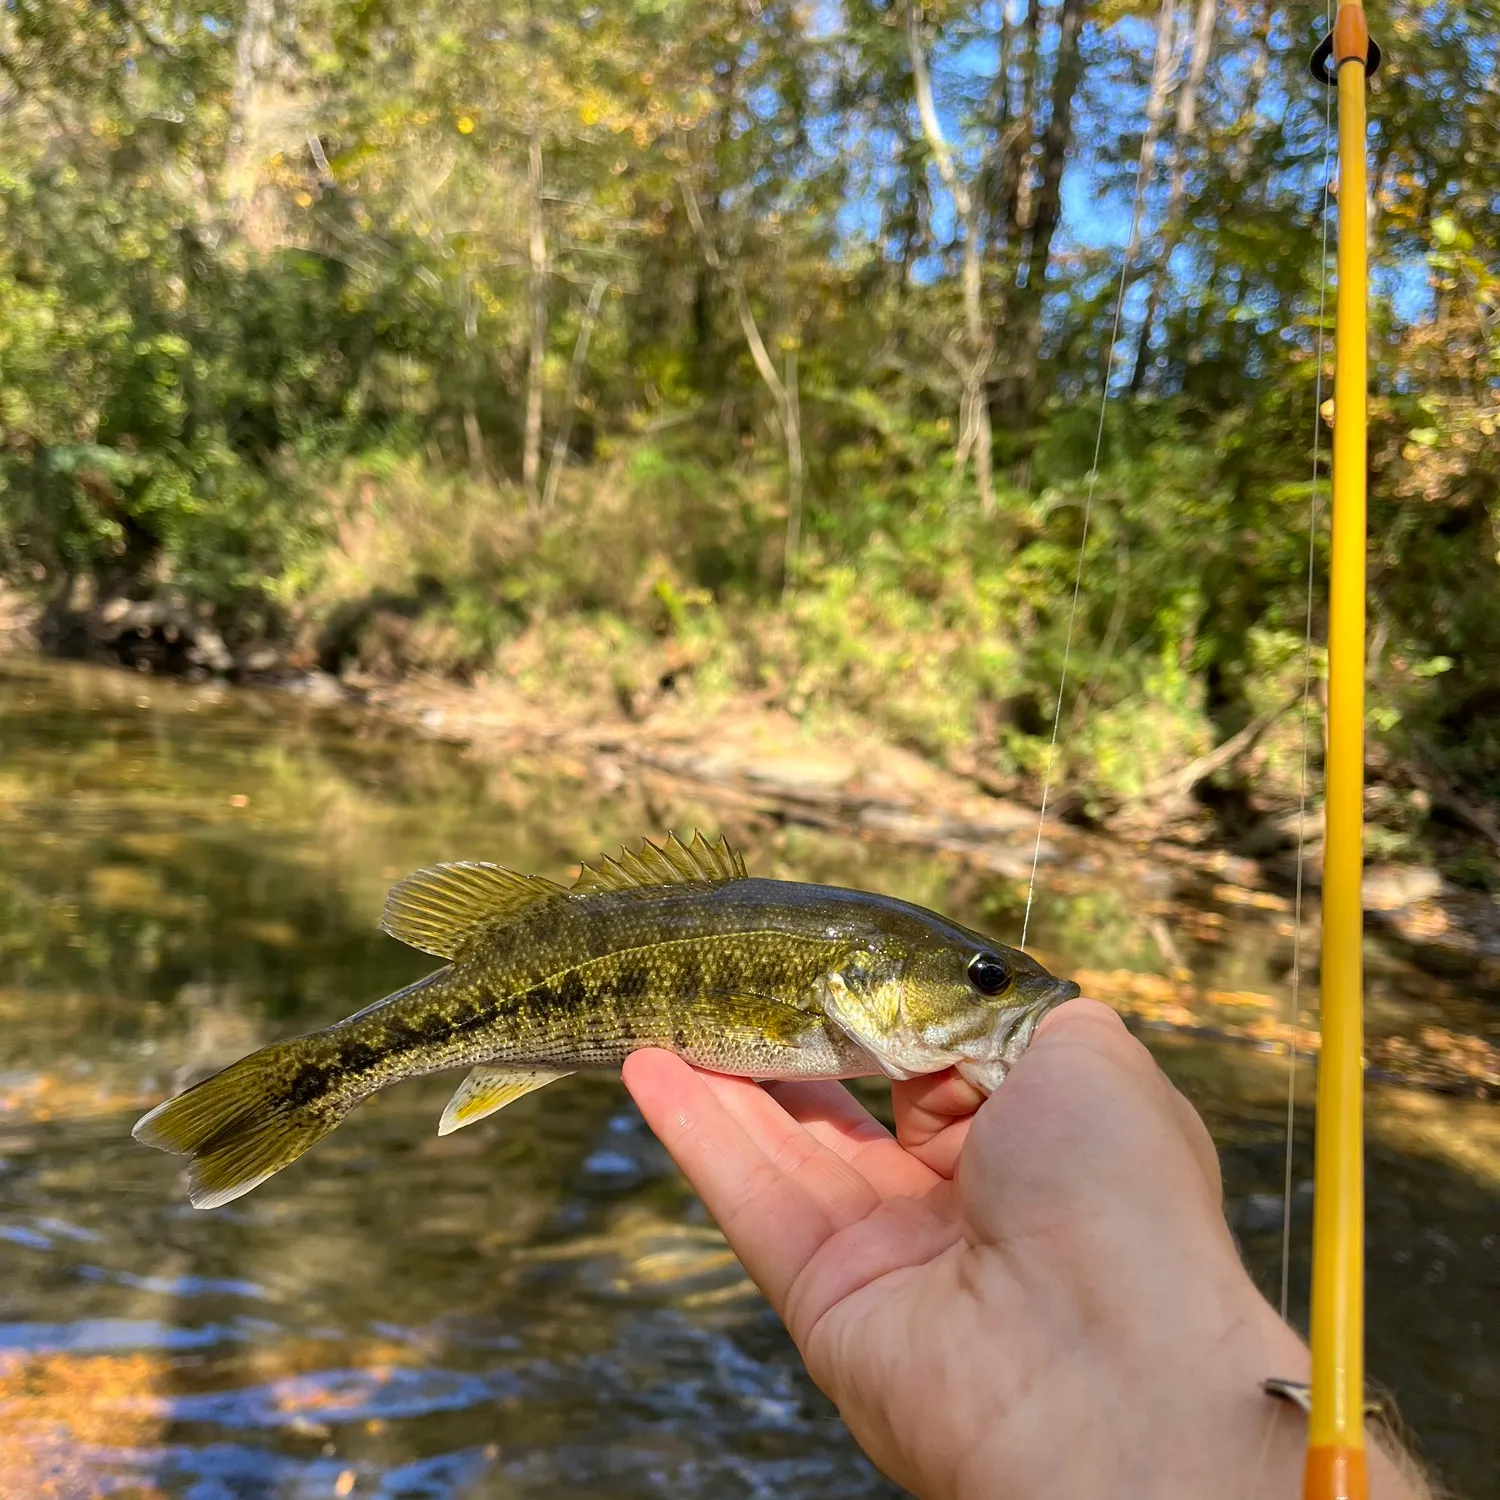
<point>1312,549</point>
<point>1132,241</point>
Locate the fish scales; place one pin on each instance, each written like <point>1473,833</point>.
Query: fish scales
<point>688,994</point>
<point>660,961</point>
<point>674,947</point>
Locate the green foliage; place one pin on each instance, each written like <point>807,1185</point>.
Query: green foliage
<point>275,288</point>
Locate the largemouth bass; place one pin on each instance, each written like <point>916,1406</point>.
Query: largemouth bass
<point>673,947</point>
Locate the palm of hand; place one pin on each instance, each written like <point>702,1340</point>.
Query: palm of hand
<point>942,1289</point>
<point>848,1234</point>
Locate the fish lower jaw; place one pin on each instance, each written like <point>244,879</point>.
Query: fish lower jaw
<point>905,1058</point>
<point>984,1059</point>
<point>1011,1036</point>
<point>986,1076</point>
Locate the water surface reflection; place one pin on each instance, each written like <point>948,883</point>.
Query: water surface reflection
<point>535,1305</point>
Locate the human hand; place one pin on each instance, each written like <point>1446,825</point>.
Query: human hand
<point>1038,1298</point>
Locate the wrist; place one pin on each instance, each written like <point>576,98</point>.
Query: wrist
<point>1176,1415</point>
<point>1253,1444</point>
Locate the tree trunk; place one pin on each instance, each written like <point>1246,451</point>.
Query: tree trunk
<point>1010,172</point>
<point>531,451</point>
<point>252,54</point>
<point>1015,202</point>
<point>1185,128</point>
<point>1016,392</point>
<point>1163,65</point>
<point>1156,108</point>
<point>570,395</point>
<point>977,336</point>
<point>788,407</point>
<point>473,437</point>
<point>791,420</point>
<point>908,224</point>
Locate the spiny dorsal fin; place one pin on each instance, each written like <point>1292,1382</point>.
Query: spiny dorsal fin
<point>669,863</point>
<point>487,1089</point>
<point>439,909</point>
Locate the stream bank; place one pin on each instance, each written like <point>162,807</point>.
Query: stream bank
<point>749,764</point>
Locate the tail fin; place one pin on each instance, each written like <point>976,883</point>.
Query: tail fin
<point>248,1122</point>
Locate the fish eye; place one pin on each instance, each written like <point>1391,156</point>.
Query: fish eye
<point>988,973</point>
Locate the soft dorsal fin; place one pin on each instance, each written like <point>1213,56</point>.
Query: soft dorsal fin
<point>439,909</point>
<point>669,863</point>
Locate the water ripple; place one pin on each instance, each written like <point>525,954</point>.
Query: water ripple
<point>336,1396</point>
<point>232,1471</point>
<point>106,1335</point>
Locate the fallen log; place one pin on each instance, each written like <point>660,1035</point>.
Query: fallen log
<point>1177,784</point>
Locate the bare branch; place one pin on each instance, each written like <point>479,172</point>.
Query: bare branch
<point>700,229</point>
<point>748,326</point>
<point>536,239</point>
<point>1179,783</point>
<point>570,395</point>
<point>974,432</point>
<point>942,152</point>
<point>320,159</point>
<point>783,392</point>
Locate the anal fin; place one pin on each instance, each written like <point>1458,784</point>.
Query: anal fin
<point>487,1089</point>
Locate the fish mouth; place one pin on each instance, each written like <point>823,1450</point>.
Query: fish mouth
<point>1039,995</point>
<point>1015,1026</point>
<point>1048,991</point>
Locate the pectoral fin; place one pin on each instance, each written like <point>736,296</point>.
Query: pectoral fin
<point>487,1089</point>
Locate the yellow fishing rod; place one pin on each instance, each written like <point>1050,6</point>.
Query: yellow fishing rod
<point>1335,1467</point>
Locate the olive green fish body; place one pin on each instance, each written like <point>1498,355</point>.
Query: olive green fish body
<point>675,947</point>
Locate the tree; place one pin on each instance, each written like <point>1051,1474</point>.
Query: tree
<point>974,432</point>
<point>801,267</point>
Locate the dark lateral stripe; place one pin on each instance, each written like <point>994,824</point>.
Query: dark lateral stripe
<point>357,1054</point>
<point>631,981</point>
<point>540,1000</point>
<point>403,1032</point>
<point>312,1081</point>
<point>626,1025</point>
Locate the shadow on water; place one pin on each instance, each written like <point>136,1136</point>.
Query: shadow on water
<point>536,1305</point>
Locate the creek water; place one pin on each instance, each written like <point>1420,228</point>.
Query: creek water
<point>536,1305</point>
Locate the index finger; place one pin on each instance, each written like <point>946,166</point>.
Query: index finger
<point>833,1116</point>
<point>932,1117</point>
<point>934,1112</point>
<point>774,1224</point>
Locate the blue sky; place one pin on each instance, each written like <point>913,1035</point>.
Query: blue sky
<point>1097,201</point>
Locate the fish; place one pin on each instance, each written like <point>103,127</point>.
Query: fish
<point>674,945</point>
